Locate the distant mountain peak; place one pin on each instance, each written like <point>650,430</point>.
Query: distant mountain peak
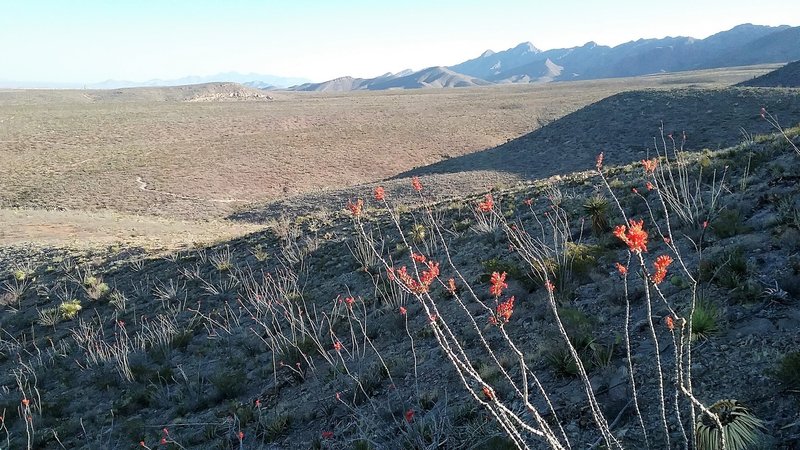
<point>487,54</point>
<point>527,47</point>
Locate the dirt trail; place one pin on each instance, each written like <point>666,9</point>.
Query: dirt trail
<point>143,187</point>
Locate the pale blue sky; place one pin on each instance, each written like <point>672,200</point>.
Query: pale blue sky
<point>86,41</point>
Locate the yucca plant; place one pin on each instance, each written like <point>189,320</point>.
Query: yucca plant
<point>741,428</point>
<point>597,209</point>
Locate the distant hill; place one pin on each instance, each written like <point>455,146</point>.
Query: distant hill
<point>437,77</point>
<point>229,77</point>
<point>260,81</point>
<point>205,92</point>
<point>742,45</point>
<point>786,76</point>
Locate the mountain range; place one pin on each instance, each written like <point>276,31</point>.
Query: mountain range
<point>255,80</point>
<point>742,45</point>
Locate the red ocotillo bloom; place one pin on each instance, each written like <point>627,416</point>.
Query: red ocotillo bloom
<point>380,193</point>
<point>487,393</point>
<point>355,207</point>
<point>504,310</point>
<point>634,235</point>
<point>649,165</point>
<point>622,269</point>
<point>416,184</point>
<point>487,204</point>
<point>451,286</point>
<point>661,264</point>
<point>599,162</point>
<point>498,282</point>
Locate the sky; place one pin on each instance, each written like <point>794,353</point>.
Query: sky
<point>86,41</point>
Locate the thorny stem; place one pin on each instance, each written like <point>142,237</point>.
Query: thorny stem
<point>629,355</point>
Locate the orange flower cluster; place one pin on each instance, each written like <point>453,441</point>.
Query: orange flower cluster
<point>649,165</point>
<point>487,204</point>
<point>487,393</point>
<point>451,286</point>
<point>380,193</point>
<point>661,264</point>
<point>669,322</point>
<point>599,164</point>
<point>417,257</point>
<point>549,286</point>
<point>498,282</point>
<point>425,280</point>
<point>622,269</point>
<point>634,235</point>
<point>355,207</point>
<point>503,312</point>
<point>416,184</point>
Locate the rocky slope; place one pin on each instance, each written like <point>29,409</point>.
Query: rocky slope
<point>181,349</point>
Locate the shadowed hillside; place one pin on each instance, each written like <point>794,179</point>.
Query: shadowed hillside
<point>623,127</point>
<point>786,76</point>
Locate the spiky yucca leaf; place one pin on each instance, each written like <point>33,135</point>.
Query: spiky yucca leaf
<point>597,209</point>
<point>742,429</point>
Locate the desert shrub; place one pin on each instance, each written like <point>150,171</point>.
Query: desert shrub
<point>591,351</point>
<point>704,320</point>
<point>496,265</point>
<point>49,317</point>
<point>69,309</point>
<point>729,223</point>
<point>581,258</point>
<point>728,269</point>
<point>788,371</point>
<point>259,252</point>
<point>229,383</point>
<point>788,213</point>
<point>95,288</point>
<point>272,425</point>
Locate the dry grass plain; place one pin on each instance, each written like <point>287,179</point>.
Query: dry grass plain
<point>151,153</point>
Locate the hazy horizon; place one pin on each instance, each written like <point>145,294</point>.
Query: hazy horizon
<point>46,41</point>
